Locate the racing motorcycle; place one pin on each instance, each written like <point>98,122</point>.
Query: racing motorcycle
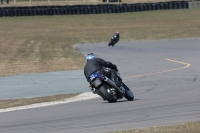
<point>107,89</point>
<point>113,41</point>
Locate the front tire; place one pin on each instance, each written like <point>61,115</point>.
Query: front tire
<point>110,43</point>
<point>108,96</point>
<point>128,93</point>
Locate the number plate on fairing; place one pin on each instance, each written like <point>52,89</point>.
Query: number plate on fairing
<point>92,77</point>
<point>97,82</point>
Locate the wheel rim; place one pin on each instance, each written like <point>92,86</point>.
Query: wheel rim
<point>111,92</point>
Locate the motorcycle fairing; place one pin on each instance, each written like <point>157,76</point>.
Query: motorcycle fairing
<point>95,79</point>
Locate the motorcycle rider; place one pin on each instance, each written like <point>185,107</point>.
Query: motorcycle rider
<point>98,65</point>
<point>115,37</point>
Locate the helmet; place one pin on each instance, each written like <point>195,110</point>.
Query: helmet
<point>117,32</point>
<point>90,56</point>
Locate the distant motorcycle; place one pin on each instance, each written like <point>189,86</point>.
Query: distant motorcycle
<point>114,39</point>
<point>107,89</point>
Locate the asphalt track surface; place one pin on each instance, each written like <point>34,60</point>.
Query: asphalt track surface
<point>163,75</point>
<point>42,84</point>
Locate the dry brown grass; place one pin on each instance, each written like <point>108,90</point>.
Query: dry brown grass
<point>45,43</point>
<point>27,101</point>
<point>191,127</point>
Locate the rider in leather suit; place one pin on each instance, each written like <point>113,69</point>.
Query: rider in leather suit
<point>115,37</point>
<point>98,65</point>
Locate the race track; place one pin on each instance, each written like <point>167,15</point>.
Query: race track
<point>163,75</point>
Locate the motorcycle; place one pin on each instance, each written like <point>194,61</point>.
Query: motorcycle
<point>113,41</point>
<point>107,89</point>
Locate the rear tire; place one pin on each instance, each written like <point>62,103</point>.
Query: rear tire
<point>105,93</point>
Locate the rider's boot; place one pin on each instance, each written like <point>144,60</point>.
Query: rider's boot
<point>118,82</point>
<point>120,86</point>
<point>115,79</point>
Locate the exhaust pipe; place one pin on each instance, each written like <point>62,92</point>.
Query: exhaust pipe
<point>121,89</point>
<point>111,83</point>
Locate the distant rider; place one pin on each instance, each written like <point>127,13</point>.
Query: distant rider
<point>98,65</point>
<point>115,38</point>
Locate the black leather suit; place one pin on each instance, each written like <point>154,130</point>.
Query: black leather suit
<point>116,37</point>
<point>96,65</point>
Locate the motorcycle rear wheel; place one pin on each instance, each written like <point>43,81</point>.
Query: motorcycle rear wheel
<point>108,96</point>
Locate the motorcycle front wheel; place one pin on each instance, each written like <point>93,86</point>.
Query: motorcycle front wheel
<point>107,94</point>
<point>110,43</point>
<point>128,93</point>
